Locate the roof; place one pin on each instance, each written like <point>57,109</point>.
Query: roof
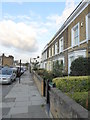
<point>65,23</point>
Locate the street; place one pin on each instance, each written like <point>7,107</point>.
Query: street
<point>6,88</point>
<point>22,100</point>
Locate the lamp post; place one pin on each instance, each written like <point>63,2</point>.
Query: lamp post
<point>30,66</point>
<point>20,71</point>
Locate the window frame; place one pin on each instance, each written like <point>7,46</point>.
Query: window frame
<point>56,48</point>
<point>77,36</point>
<point>61,45</point>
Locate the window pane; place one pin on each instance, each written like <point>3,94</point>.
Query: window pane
<point>76,35</point>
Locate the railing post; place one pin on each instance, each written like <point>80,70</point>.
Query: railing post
<point>44,87</point>
<point>48,92</point>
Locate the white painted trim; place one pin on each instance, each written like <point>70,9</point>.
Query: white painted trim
<point>62,38</point>
<point>87,28</point>
<point>87,25</point>
<point>70,47</point>
<point>72,37</point>
<point>83,41</point>
<point>67,49</point>
<point>69,23</point>
<point>78,33</point>
<point>86,4</point>
<point>75,54</point>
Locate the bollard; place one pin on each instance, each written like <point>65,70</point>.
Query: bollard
<point>20,72</point>
<point>48,100</point>
<point>44,85</point>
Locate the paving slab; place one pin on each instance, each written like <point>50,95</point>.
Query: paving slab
<point>9,100</point>
<point>37,102</point>
<point>5,111</point>
<point>21,115</point>
<point>18,110</point>
<point>21,99</point>
<point>37,111</point>
<point>24,100</point>
<point>21,104</point>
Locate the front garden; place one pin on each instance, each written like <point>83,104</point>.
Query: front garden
<point>76,85</point>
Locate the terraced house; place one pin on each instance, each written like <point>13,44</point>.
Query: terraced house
<point>71,41</point>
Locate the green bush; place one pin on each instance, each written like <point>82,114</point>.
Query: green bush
<point>80,67</point>
<point>80,97</point>
<point>72,84</point>
<point>57,69</point>
<point>47,75</point>
<point>76,87</point>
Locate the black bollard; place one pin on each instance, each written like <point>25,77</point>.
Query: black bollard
<point>48,91</point>
<point>20,72</point>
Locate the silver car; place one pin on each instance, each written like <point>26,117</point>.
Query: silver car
<point>7,76</point>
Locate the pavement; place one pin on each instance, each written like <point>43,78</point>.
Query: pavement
<point>23,100</point>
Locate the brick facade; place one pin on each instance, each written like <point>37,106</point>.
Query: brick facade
<point>9,61</point>
<point>79,18</point>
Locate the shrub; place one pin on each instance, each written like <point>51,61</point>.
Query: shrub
<point>76,87</point>
<point>72,84</point>
<point>45,74</point>
<point>57,69</point>
<point>80,67</point>
<point>80,97</point>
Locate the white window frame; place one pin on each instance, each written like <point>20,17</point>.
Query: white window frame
<point>75,54</point>
<point>56,48</point>
<point>87,27</point>
<point>61,45</point>
<point>72,35</point>
<point>53,50</point>
<point>46,55</point>
<point>49,52</point>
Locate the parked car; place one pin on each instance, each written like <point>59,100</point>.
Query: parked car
<point>14,70</point>
<point>22,70</point>
<point>7,75</point>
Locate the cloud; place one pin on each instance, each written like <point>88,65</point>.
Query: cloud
<point>30,32</point>
<point>18,17</point>
<point>57,19</point>
<point>18,35</point>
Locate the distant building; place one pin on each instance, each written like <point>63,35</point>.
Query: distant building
<point>0,60</point>
<point>7,61</point>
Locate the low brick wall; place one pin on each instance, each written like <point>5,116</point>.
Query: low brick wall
<point>61,106</point>
<point>39,82</point>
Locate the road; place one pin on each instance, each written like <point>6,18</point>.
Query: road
<point>5,89</point>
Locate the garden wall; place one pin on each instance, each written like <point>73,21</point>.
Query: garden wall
<point>61,106</point>
<point>39,82</point>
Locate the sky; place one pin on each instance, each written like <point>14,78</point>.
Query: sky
<point>26,27</point>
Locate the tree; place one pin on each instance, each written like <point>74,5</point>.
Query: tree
<point>36,65</point>
<point>57,69</point>
<point>80,67</point>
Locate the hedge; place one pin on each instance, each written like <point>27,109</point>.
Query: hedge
<point>76,87</point>
<point>80,97</point>
<point>72,84</point>
<point>80,67</point>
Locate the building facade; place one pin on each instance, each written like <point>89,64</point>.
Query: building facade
<point>7,61</point>
<point>71,41</point>
<point>0,60</point>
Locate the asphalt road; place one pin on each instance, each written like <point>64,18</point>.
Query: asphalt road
<point>5,89</point>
